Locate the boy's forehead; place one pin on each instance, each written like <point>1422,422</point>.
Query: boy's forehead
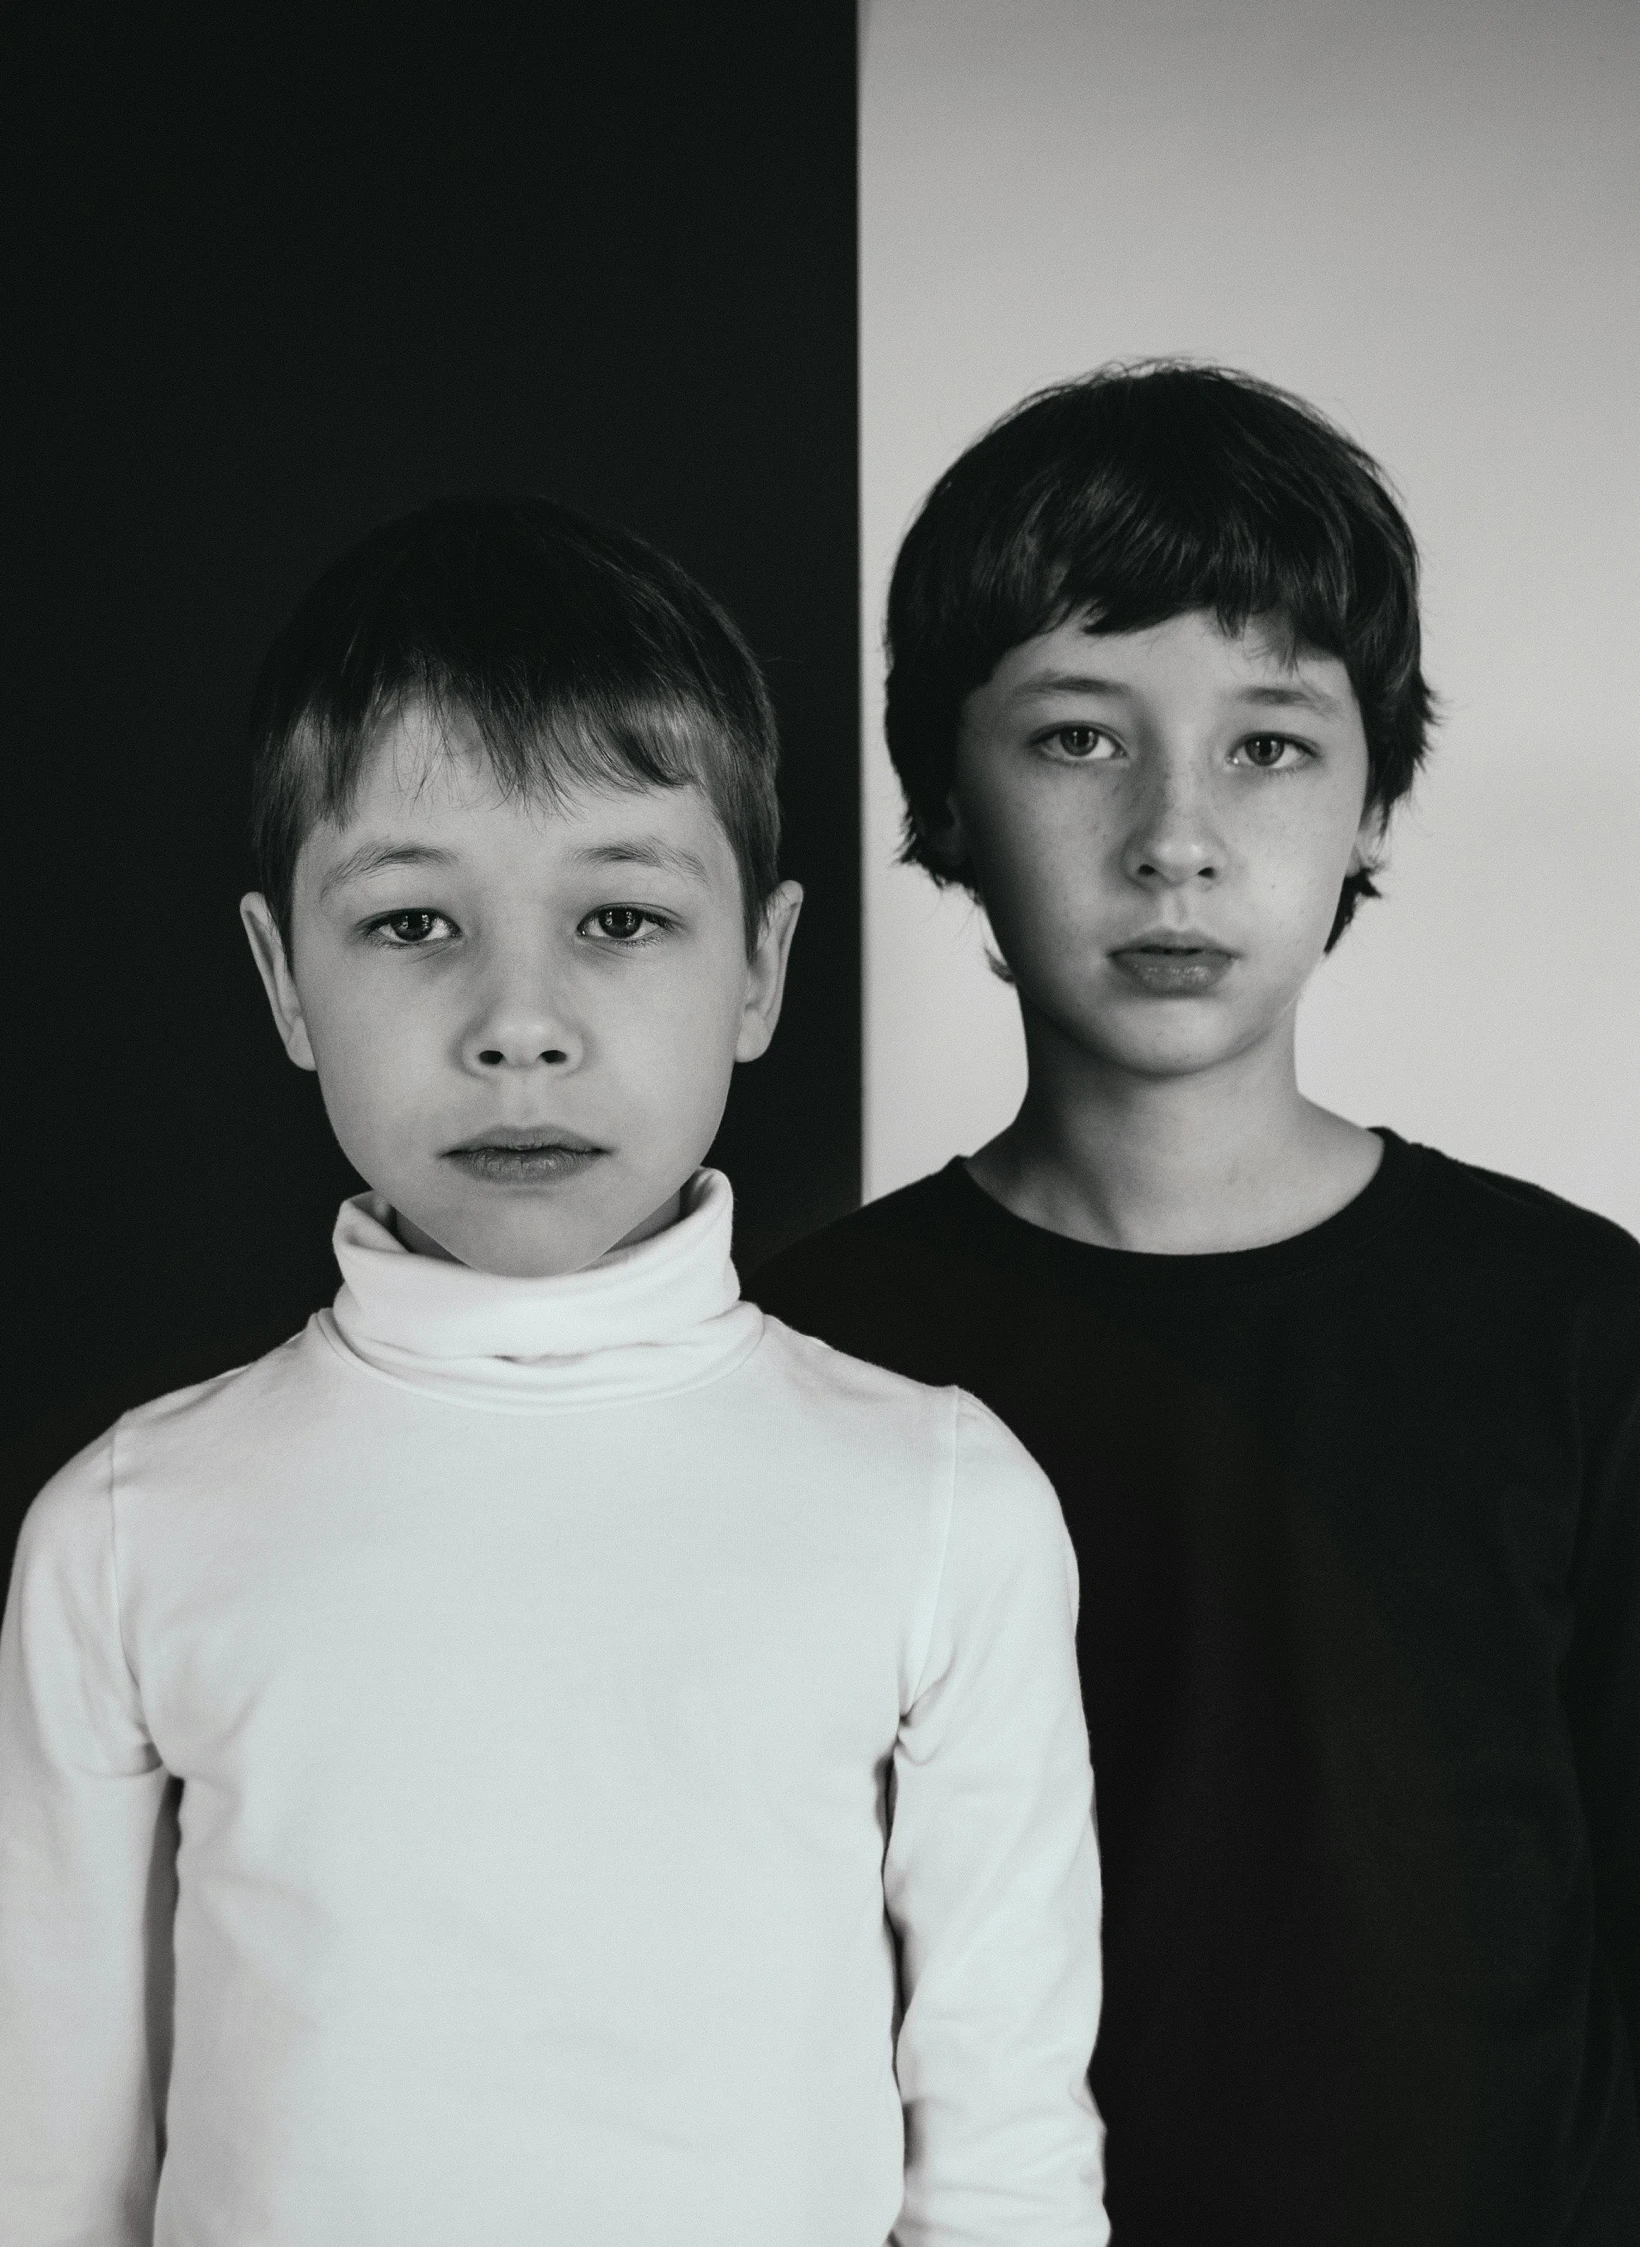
<point>430,782</point>
<point>422,765</point>
<point>1077,656</point>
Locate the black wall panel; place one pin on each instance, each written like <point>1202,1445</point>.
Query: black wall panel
<point>269,282</point>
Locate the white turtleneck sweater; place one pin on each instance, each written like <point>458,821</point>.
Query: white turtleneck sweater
<point>539,1761</point>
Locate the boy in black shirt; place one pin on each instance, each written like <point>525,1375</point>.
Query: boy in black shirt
<point>1347,1433</point>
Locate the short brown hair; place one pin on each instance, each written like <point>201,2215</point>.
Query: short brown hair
<point>1132,495</point>
<point>578,653</point>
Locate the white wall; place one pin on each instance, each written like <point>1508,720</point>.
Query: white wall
<point>1423,215</point>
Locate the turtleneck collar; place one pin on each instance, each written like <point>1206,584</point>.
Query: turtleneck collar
<point>662,1315</point>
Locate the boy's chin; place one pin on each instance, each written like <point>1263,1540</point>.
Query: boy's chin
<point>518,1241</point>
<point>1178,1041</point>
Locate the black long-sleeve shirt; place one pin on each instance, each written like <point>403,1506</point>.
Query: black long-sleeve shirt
<point>1358,1519</point>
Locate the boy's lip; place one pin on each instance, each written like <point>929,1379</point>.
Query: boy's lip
<point>529,1136</point>
<point>1173,940</point>
<point>1172,962</point>
<point>525,1154</point>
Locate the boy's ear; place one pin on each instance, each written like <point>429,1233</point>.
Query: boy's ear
<point>268,951</point>
<point>944,843</point>
<point>766,971</point>
<point>1369,840</point>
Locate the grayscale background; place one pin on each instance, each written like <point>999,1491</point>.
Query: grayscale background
<point>270,279</point>
<point>271,276</point>
<point>1424,215</point>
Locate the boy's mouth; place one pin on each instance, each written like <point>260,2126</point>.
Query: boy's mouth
<point>1173,963</point>
<point>522,1155</point>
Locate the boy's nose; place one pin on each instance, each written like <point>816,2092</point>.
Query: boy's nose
<point>521,1030</point>
<point>1174,841</point>
<point>1171,863</point>
<point>517,1053</point>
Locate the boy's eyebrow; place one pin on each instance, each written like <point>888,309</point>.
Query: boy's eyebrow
<point>1290,698</point>
<point>372,857</point>
<point>648,850</point>
<point>1271,697</point>
<point>1071,682</point>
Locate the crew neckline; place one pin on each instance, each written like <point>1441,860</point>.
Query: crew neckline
<point>663,1314</point>
<point>1360,1220</point>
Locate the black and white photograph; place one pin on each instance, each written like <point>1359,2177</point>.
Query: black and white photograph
<point>823,1410</point>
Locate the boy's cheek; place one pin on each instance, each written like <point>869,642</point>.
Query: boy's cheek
<point>1036,866</point>
<point>379,1080</point>
<point>1045,921</point>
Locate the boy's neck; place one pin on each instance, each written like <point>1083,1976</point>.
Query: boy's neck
<point>1233,1157</point>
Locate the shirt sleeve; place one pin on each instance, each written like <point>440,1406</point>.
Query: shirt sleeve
<point>1603,1668</point>
<point>992,1879</point>
<point>87,1874</point>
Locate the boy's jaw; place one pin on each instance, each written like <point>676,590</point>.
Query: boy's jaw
<point>542,1198</point>
<point>519,1224</point>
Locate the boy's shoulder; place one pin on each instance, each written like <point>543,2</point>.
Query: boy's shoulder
<point>901,1435</point>
<point>894,1276</point>
<point>927,1218</point>
<point>204,1412</point>
<point>849,1396</point>
<point>1554,1286</point>
<point>232,1410</point>
<point>882,1283</point>
<point>1513,1225</point>
<point>216,1426</point>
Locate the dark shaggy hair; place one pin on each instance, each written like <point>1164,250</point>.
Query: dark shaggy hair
<point>1133,495</point>
<point>577,653</point>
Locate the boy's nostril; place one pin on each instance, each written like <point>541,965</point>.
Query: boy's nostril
<point>493,1057</point>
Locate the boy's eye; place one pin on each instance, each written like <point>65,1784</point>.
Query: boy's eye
<point>620,924</point>
<point>1082,744</point>
<point>1272,752</point>
<point>407,931</point>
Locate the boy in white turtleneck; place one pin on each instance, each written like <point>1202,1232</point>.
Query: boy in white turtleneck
<point>549,1754</point>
